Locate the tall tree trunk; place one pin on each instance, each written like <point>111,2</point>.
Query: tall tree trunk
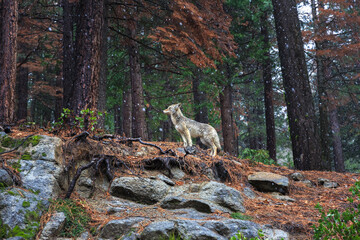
<point>126,112</point>
<point>117,119</point>
<point>337,146</point>
<point>201,111</point>
<point>58,100</point>
<point>138,107</point>
<point>68,53</point>
<point>322,75</point>
<point>8,53</point>
<point>268,93</point>
<point>103,69</point>
<point>300,106</point>
<point>88,38</point>
<point>22,90</point>
<point>227,120</point>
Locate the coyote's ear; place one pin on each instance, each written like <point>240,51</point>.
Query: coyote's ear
<point>179,105</point>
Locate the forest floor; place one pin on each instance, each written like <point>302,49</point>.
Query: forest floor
<point>296,217</point>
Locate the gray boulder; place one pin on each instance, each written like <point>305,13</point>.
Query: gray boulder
<point>116,229</point>
<point>166,180</point>
<point>296,176</point>
<point>229,227</point>
<point>206,198</point>
<point>175,202</point>
<point>327,183</point>
<point>158,230</point>
<point>5,179</point>
<point>24,208</point>
<point>269,182</point>
<point>200,229</point>
<point>187,229</point>
<point>249,193</point>
<point>222,195</point>
<point>142,190</point>
<point>275,234</point>
<point>54,226</point>
<point>20,208</point>
<point>48,149</point>
<point>42,177</point>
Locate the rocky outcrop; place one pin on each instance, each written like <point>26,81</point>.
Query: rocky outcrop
<point>41,175</point>
<point>269,182</point>
<point>188,229</point>
<point>168,208</point>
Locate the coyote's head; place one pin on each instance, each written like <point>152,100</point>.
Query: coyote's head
<point>172,109</point>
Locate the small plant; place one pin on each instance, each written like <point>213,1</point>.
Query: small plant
<point>26,204</point>
<point>240,236</point>
<point>34,140</point>
<point>336,225</point>
<point>8,142</point>
<point>238,215</point>
<point>256,156</point>
<point>26,156</point>
<point>85,121</point>
<point>16,165</point>
<point>77,218</point>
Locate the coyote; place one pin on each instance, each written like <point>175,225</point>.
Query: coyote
<point>189,128</point>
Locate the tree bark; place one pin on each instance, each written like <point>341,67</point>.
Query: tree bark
<point>227,120</point>
<point>322,76</point>
<point>88,38</point>
<point>103,69</point>
<point>126,112</point>
<point>268,93</point>
<point>68,53</point>
<point>8,54</point>
<point>117,119</point>
<point>337,146</point>
<point>58,100</point>
<point>22,93</point>
<point>138,107</point>
<point>300,106</point>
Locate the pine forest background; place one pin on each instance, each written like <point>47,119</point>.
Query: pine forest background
<point>281,75</point>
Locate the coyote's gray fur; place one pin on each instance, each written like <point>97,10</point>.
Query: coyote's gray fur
<point>189,128</point>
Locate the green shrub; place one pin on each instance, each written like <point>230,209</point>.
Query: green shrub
<point>256,156</point>
<point>77,218</point>
<point>336,225</point>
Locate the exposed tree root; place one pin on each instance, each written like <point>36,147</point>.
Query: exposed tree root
<point>13,174</point>
<point>109,159</point>
<point>163,162</point>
